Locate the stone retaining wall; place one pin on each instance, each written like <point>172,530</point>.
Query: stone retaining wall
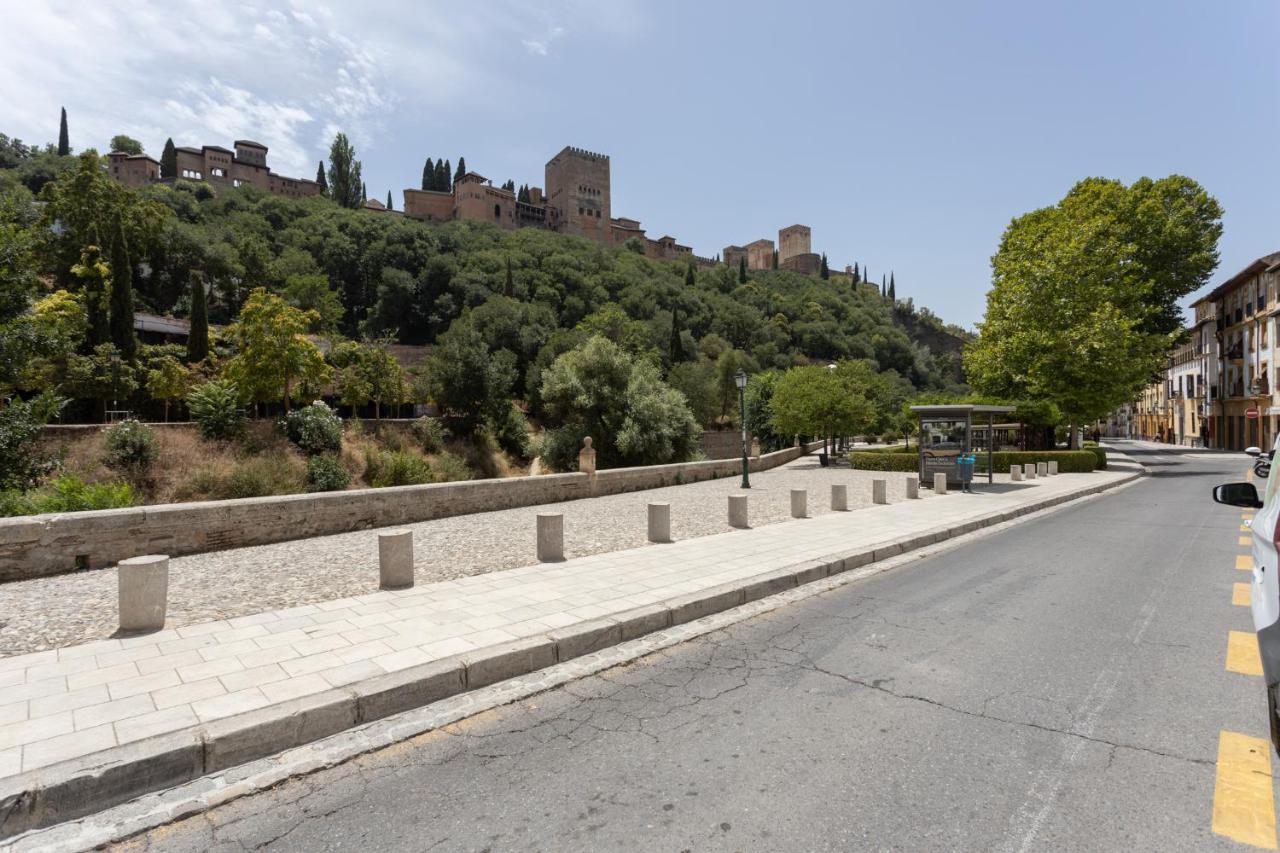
<point>37,545</point>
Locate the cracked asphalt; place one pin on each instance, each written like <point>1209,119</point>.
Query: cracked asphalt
<point>1057,685</point>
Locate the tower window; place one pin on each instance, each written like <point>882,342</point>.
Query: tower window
<point>497,211</point>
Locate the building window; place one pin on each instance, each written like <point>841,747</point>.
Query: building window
<point>218,173</point>
<point>497,211</point>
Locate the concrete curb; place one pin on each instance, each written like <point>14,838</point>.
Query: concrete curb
<point>82,786</point>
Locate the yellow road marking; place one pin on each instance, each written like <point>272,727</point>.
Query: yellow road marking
<point>1244,807</point>
<point>1247,516</point>
<point>1245,540</point>
<point>1240,594</point>
<point>1244,562</point>
<point>1242,653</point>
<point>1245,528</point>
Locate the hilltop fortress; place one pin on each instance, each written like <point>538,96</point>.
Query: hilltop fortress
<point>577,200</point>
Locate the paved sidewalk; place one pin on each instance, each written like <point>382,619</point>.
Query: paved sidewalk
<point>69,703</point>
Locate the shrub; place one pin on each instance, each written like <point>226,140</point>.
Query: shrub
<point>215,407</point>
<point>1069,461</point>
<point>1101,464</point>
<point>511,432</point>
<point>326,474</point>
<point>430,433</point>
<point>20,421</point>
<point>395,468</point>
<point>131,445</point>
<point>880,460</point>
<point>449,467</point>
<point>314,429</point>
<point>71,494</point>
<point>270,474</point>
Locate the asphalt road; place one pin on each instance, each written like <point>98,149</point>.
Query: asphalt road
<point>1056,685</point>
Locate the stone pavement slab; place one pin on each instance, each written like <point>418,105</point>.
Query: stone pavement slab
<point>184,699</point>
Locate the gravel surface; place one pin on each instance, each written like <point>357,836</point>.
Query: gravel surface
<point>73,608</point>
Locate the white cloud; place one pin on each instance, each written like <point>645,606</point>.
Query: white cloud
<point>287,73</point>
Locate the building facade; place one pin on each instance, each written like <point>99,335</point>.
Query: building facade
<point>215,165</point>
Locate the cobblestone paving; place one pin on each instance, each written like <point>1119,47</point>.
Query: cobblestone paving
<point>67,609</point>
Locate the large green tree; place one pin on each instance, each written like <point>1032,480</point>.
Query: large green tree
<point>1083,306</point>
<point>816,401</point>
<point>273,355</point>
<point>345,185</point>
<point>127,144</point>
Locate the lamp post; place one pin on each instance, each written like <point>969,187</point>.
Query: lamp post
<point>740,379</point>
<point>825,451</point>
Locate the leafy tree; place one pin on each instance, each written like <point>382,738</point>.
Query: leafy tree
<point>169,160</point>
<point>815,401</point>
<point>824,271</point>
<point>345,186</point>
<point>121,321</point>
<point>633,417</point>
<point>367,372</point>
<point>64,140</point>
<point>1083,307</point>
<point>272,353</point>
<point>428,175</point>
<point>321,180</point>
<point>198,337</point>
<point>314,293</point>
<point>471,384</point>
<point>103,375</point>
<point>127,144</point>
<point>21,465</point>
<point>94,276</point>
<point>168,381</point>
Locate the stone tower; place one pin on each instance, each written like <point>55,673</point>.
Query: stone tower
<point>793,240</point>
<point>578,189</point>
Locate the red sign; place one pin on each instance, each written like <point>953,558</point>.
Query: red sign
<point>1251,412</point>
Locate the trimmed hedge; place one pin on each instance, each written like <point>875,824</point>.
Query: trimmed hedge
<point>892,448</point>
<point>1102,457</point>
<point>1069,461</point>
<point>879,460</point>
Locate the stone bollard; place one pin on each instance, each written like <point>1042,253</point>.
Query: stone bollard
<point>940,483</point>
<point>839,497</point>
<point>1029,471</point>
<point>1042,469</point>
<point>913,486</point>
<point>659,522</point>
<point>738,511</point>
<point>550,537</point>
<point>1053,468</point>
<point>587,457</point>
<point>799,503</point>
<point>1015,473</point>
<point>395,559</point>
<point>879,491</point>
<point>144,592</point>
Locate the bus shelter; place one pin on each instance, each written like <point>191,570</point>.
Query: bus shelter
<point>948,432</point>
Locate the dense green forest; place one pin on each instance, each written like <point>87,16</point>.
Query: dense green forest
<point>505,315</point>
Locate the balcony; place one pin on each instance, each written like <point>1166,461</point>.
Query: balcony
<point>1235,353</point>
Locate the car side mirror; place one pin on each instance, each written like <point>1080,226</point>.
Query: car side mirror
<point>1237,494</point>
<point>1253,451</point>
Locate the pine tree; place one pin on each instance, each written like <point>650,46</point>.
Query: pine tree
<point>462,169</point>
<point>344,173</point>
<point>64,141</point>
<point>389,207</point>
<point>428,175</point>
<point>320,179</point>
<point>442,177</point>
<point>121,319</point>
<point>893,291</point>
<point>198,337</point>
<point>824,271</point>
<point>169,160</point>
<point>742,270</point>
<point>446,184</point>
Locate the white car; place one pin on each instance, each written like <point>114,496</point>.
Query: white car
<point>1265,587</point>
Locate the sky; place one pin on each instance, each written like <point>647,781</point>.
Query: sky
<point>906,135</point>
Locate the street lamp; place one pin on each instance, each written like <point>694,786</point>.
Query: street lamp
<point>825,452</point>
<point>740,379</point>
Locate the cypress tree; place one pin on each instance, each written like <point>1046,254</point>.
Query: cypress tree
<point>344,173</point>
<point>884,288</point>
<point>677,351</point>
<point>690,277</point>
<point>857,276</point>
<point>462,169</point>
<point>389,207</point>
<point>198,338</point>
<point>447,182</point>
<point>824,271</point>
<point>364,192</point>
<point>64,141</point>
<point>442,177</point>
<point>893,291</point>
<point>428,175</point>
<point>775,259</point>
<point>169,160</point>
<point>121,319</point>
<point>320,179</point>
<point>509,289</point>
<point>742,270</point>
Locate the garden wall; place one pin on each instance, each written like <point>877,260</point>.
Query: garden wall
<point>36,545</point>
